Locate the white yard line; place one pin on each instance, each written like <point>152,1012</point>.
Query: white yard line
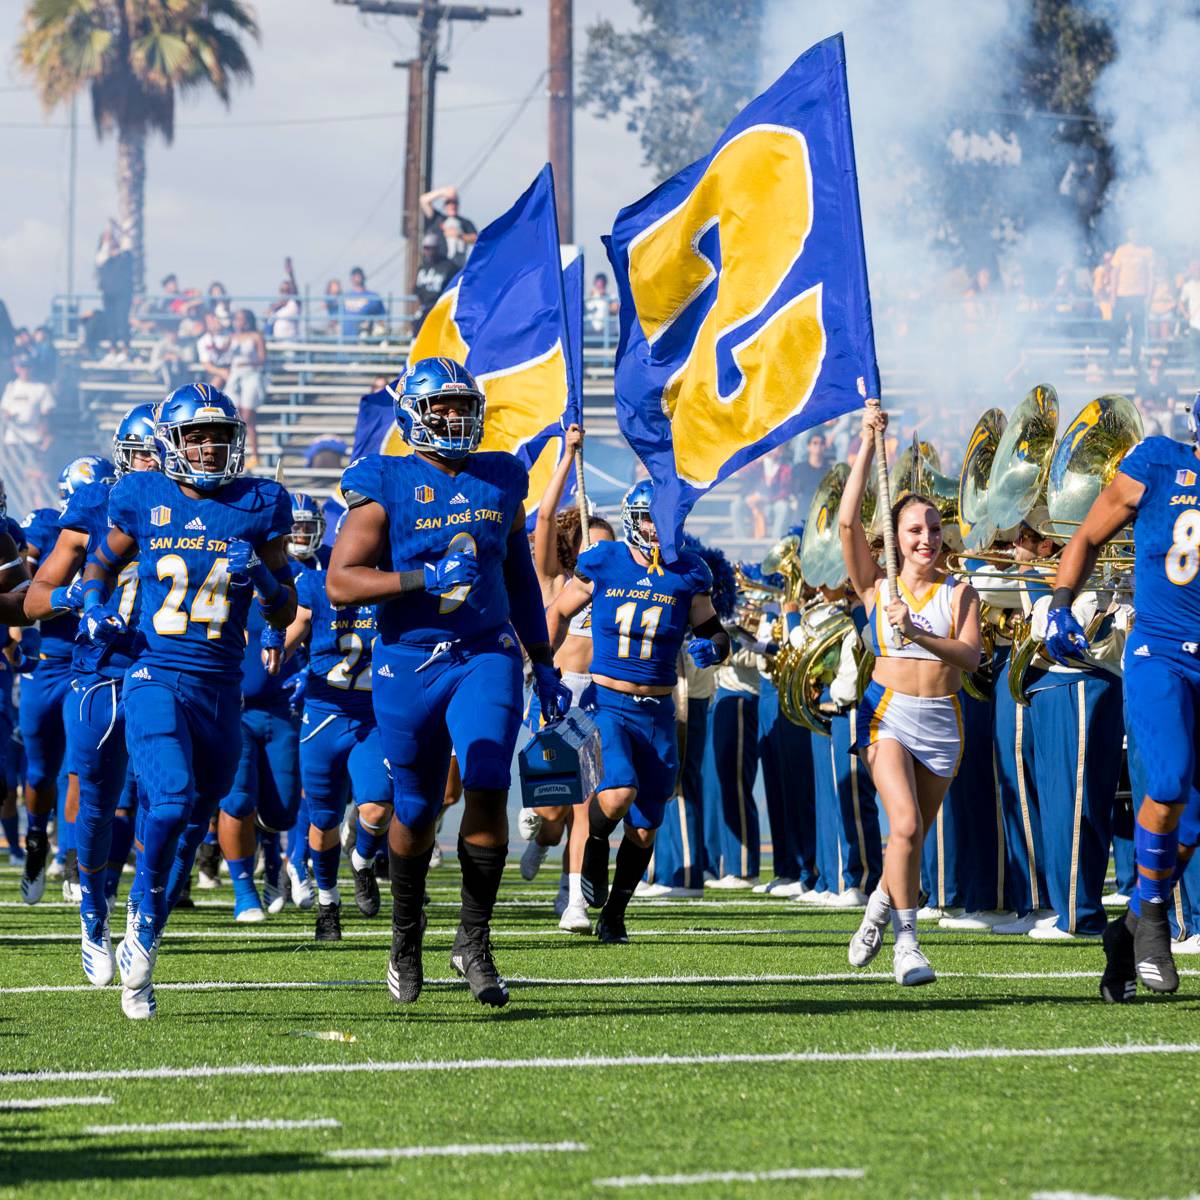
<point>627,1181</point>
<point>53,1102</point>
<point>214,1126</point>
<point>303,934</point>
<point>544,981</point>
<point>466,1150</point>
<point>785,1058</point>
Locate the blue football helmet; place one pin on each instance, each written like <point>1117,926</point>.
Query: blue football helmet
<point>308,526</point>
<point>135,435</point>
<point>635,508</point>
<point>79,472</point>
<point>413,394</point>
<point>189,407</point>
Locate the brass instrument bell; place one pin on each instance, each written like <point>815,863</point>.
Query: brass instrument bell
<point>975,524</point>
<point>1017,481</point>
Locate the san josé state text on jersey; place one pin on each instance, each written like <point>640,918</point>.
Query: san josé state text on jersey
<point>427,509</point>
<point>41,529</point>
<point>639,615</point>
<point>87,513</point>
<point>192,617</point>
<point>1166,532</point>
<point>339,651</point>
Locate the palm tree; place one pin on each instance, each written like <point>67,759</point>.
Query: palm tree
<point>134,56</point>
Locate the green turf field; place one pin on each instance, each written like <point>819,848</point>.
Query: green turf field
<point>728,1037</point>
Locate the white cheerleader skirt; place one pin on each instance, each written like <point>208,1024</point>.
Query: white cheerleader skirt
<point>930,728</point>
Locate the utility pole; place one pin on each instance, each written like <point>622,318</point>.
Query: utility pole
<point>422,80</point>
<point>562,113</point>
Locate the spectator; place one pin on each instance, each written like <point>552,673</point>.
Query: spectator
<point>218,304</point>
<point>157,313</point>
<point>26,406</point>
<point>1102,278</point>
<point>1163,305</point>
<point>599,306</point>
<point>457,234</point>
<point>328,453</point>
<point>1189,305</point>
<point>283,315</point>
<point>43,356</point>
<point>171,360</point>
<point>215,351</point>
<point>247,382</point>
<point>333,303</point>
<point>1130,290</point>
<point>808,472</point>
<point>359,306</point>
<point>191,324</point>
<point>434,272</point>
<point>114,275</point>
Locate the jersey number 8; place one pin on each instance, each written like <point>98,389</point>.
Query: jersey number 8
<point>1183,558</point>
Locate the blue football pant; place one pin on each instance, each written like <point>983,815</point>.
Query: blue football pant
<point>43,731</point>
<point>267,781</point>
<point>340,754</point>
<point>639,748</point>
<point>679,846</point>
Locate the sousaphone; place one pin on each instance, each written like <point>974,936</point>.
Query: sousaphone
<point>917,469</point>
<point>821,561</point>
<point>975,524</point>
<point>1016,490</point>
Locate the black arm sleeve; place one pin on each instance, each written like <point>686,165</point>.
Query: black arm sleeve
<point>715,632</point>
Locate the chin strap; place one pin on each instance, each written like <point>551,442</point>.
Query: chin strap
<point>655,566</point>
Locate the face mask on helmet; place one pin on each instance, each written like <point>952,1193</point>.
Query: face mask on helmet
<point>204,455</point>
<point>308,529</point>
<point>135,436</point>
<point>636,521</point>
<point>437,384</point>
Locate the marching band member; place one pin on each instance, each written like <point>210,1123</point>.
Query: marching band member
<point>910,722</point>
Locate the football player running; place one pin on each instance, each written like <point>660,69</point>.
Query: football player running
<point>206,540</point>
<point>436,540</point>
<point>95,718</point>
<point>642,609</point>
<point>1156,489</point>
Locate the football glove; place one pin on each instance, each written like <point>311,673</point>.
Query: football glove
<point>103,627</point>
<point>69,598</point>
<point>1064,635</point>
<point>459,569</point>
<point>704,652</point>
<point>554,697</point>
<point>294,688</point>
<point>272,638</point>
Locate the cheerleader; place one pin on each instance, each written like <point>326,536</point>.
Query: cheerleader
<point>909,727</point>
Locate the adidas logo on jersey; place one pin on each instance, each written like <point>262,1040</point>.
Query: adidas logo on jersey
<point>196,524</point>
<point>141,673</point>
<point>459,499</point>
<point>384,672</point>
<point>1142,652</point>
<point>644,581</point>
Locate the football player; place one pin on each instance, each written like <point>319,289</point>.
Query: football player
<point>94,716</point>
<point>1156,489</point>
<point>437,541</point>
<point>642,609</point>
<point>206,539</point>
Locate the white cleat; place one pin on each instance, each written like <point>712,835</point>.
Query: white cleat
<point>1040,917</point>
<point>437,857</point>
<point>910,966</point>
<point>304,895</point>
<point>138,1004</point>
<point>529,824</point>
<point>575,918</point>
<point>99,958</point>
<point>732,883</point>
<point>976,922</point>
<point>72,892</point>
<point>274,898</point>
<point>866,943</point>
<point>136,956</point>
<point>206,882</point>
<point>1188,945</point>
<point>33,889</point>
<point>1052,933</point>
<point>532,858</point>
<point>772,886</point>
<point>253,915</point>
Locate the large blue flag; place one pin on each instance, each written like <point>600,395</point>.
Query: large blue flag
<point>514,317</point>
<point>745,308</point>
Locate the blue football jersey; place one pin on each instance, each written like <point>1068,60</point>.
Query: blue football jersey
<point>429,511</point>
<point>339,651</point>
<point>87,512</point>
<point>58,633</point>
<point>192,618</point>
<point>1166,533</point>
<point>639,615</point>
<point>260,689</point>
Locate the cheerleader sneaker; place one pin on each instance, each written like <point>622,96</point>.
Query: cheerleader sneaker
<point>910,966</point>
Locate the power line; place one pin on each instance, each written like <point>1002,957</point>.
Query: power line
<point>502,132</point>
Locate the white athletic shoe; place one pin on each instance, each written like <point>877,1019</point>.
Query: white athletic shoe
<point>437,857</point>
<point>575,918</point>
<point>304,895</point>
<point>866,942</point>
<point>646,888</point>
<point>1052,933</point>
<point>976,922</point>
<point>910,966</point>
<point>99,958</point>
<point>532,858</point>
<point>1031,920</point>
<point>772,885</point>
<point>72,892</point>
<point>529,824</point>
<point>1188,945</point>
<point>850,898</point>
<point>206,882</point>
<point>563,896</point>
<point>137,955</point>
<point>664,891</point>
<point>253,915</point>
<point>274,898</point>
<point>1115,900</point>
<point>793,890</point>
<point>732,883</point>
<point>138,1004</point>
<point>932,912</point>
<point>33,889</point>
<point>55,869</point>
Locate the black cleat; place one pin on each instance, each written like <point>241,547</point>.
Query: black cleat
<point>185,900</point>
<point>404,977</point>
<point>208,864</point>
<point>1118,984</point>
<point>366,890</point>
<point>471,957</point>
<point>1152,949</point>
<point>329,923</point>
<point>594,875</point>
<point>611,931</point>
<point>33,877</point>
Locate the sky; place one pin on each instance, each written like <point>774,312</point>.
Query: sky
<point>237,190</point>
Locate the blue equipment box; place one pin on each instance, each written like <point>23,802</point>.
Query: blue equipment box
<point>561,764</point>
